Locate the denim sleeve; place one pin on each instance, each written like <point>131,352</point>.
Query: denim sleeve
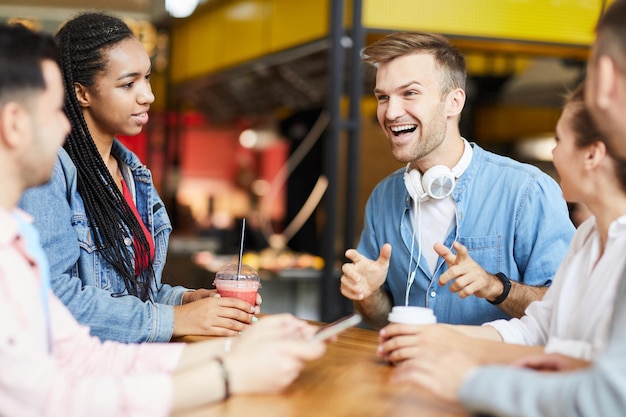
<point>126,318</point>
<point>367,245</point>
<point>171,295</point>
<point>543,231</point>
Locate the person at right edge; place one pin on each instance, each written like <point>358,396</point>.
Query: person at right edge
<point>506,221</point>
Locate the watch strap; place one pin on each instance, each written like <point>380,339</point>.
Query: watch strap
<point>506,284</point>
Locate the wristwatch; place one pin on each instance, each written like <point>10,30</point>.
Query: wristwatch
<point>506,283</point>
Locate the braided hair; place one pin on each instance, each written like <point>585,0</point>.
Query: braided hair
<point>83,41</point>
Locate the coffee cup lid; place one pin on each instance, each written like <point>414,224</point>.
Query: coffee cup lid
<point>412,310</point>
<point>412,315</point>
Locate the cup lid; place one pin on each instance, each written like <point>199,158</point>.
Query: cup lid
<point>229,273</point>
<point>412,310</point>
<point>412,315</point>
<point>408,319</point>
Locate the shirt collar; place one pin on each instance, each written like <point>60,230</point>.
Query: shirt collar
<point>9,224</point>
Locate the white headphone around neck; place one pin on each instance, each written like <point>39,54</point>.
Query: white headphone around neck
<point>438,181</point>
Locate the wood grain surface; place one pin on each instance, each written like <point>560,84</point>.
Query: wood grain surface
<point>349,380</point>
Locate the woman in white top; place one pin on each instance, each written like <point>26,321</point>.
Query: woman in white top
<point>574,315</point>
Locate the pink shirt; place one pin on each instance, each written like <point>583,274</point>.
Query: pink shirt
<point>81,376</point>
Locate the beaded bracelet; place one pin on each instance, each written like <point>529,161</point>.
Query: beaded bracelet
<point>225,377</point>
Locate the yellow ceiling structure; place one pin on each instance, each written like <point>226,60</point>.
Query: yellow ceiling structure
<point>567,22</point>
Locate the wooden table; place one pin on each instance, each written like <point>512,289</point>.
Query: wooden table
<point>349,380</point>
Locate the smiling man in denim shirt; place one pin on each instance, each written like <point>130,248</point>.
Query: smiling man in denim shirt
<point>475,236</point>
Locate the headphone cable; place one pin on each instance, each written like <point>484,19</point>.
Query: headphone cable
<point>417,220</point>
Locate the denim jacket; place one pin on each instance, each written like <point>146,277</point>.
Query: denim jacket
<point>81,277</point>
<point>511,217</point>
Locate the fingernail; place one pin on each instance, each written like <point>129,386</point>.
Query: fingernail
<point>260,300</point>
<point>255,319</point>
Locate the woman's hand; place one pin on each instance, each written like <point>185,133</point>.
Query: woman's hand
<point>401,342</point>
<point>213,316</point>
<point>441,373</point>
<point>552,362</point>
<point>195,295</point>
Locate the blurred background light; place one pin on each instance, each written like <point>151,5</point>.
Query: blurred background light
<point>181,8</point>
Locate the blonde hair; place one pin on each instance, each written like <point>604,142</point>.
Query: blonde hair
<point>400,44</point>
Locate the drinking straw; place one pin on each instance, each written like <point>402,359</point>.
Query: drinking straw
<point>243,231</point>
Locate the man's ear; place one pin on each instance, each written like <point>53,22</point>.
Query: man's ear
<point>82,95</point>
<point>14,122</point>
<point>606,79</point>
<point>455,101</point>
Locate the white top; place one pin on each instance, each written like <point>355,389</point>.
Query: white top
<point>574,316</point>
<point>434,218</point>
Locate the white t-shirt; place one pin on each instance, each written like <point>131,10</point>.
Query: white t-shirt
<point>433,219</point>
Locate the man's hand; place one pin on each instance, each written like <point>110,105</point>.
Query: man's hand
<point>270,355</point>
<point>363,277</point>
<point>469,277</point>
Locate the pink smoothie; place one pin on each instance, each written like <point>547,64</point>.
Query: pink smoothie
<point>246,294</point>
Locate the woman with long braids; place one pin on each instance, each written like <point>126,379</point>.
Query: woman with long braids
<point>103,225</point>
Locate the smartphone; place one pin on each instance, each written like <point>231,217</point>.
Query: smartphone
<point>336,327</point>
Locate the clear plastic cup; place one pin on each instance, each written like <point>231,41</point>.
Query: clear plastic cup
<point>412,315</point>
<point>244,286</point>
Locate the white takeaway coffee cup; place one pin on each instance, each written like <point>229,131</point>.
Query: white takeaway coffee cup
<point>412,315</point>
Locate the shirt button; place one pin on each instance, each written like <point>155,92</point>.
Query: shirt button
<point>127,241</point>
<point>433,294</point>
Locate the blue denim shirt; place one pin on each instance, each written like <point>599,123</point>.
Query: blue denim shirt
<point>511,217</point>
<point>80,276</point>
